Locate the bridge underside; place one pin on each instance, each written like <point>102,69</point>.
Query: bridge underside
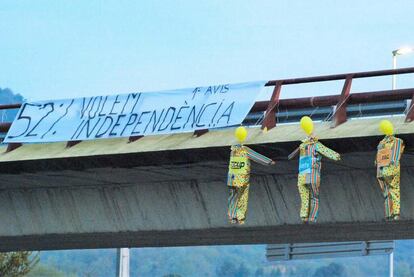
<point>179,197</point>
<point>324,232</point>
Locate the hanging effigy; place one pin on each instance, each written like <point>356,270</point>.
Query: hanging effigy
<point>387,161</point>
<point>238,179</point>
<point>309,177</point>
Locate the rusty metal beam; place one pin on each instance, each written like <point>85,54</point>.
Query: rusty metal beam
<point>72,143</point>
<point>339,115</point>
<point>4,127</point>
<point>12,146</point>
<point>269,120</point>
<point>134,138</point>
<point>331,100</point>
<point>410,113</point>
<point>10,106</point>
<point>199,133</point>
<point>335,77</point>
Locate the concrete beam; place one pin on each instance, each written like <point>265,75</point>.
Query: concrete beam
<point>171,190</point>
<point>185,204</point>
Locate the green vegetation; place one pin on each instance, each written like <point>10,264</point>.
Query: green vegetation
<point>48,271</point>
<point>17,264</point>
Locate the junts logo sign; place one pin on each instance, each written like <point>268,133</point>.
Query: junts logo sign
<point>237,165</point>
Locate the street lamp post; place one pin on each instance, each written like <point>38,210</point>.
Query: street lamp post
<point>391,264</point>
<point>122,262</point>
<point>395,53</point>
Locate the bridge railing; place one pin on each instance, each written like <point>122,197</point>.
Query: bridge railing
<point>335,108</point>
<point>340,102</point>
<point>326,108</point>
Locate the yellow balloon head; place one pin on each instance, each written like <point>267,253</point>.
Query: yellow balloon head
<point>386,127</point>
<point>241,134</point>
<point>307,124</point>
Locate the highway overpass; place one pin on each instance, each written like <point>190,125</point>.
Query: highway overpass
<point>171,190</point>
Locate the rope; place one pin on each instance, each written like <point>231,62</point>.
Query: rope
<point>317,108</point>
<point>410,108</point>
<point>328,118</point>
<point>262,118</point>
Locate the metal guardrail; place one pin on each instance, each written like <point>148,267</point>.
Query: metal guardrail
<point>332,100</point>
<point>335,77</point>
<point>340,101</point>
<point>296,251</point>
<point>285,115</point>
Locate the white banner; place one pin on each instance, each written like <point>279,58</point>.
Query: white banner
<point>134,114</point>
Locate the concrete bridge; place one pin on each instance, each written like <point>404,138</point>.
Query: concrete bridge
<point>171,190</point>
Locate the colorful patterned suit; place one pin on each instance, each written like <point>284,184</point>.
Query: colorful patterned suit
<point>309,175</point>
<point>389,153</point>
<point>238,180</point>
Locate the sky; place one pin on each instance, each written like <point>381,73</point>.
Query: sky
<point>61,49</point>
